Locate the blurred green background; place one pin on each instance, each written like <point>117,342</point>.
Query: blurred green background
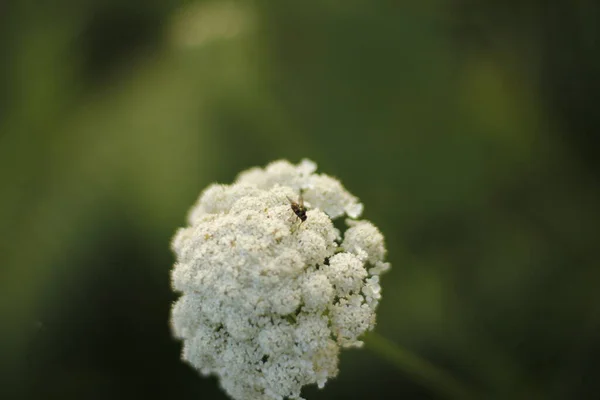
<point>468,129</point>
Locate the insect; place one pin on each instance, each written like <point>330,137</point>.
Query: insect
<point>298,208</point>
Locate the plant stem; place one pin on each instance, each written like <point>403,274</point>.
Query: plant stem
<point>417,367</point>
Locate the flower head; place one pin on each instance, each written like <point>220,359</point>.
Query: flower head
<point>268,301</point>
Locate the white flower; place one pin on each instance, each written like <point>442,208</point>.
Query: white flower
<point>268,301</point>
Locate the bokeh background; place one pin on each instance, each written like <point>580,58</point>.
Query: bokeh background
<point>468,129</point>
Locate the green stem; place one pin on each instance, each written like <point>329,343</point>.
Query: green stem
<point>418,368</point>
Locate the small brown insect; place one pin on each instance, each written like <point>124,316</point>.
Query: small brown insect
<point>298,208</point>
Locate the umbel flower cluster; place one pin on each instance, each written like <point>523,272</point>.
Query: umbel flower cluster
<point>268,300</point>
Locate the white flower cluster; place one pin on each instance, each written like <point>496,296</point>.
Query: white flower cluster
<point>268,300</point>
